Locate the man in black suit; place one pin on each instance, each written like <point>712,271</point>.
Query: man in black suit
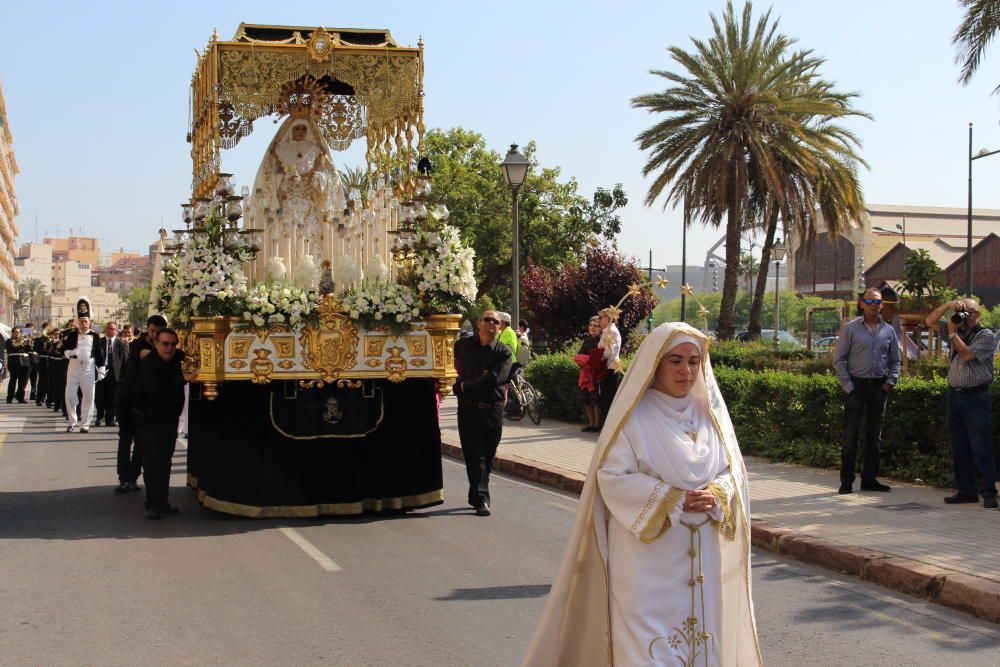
<point>129,456</point>
<point>116,354</point>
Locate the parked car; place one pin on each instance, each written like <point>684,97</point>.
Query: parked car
<point>825,344</point>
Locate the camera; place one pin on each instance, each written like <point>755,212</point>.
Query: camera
<point>960,317</point>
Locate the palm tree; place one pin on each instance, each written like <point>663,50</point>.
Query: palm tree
<point>746,111</point>
<point>974,33</point>
<point>35,291</point>
<point>747,269</point>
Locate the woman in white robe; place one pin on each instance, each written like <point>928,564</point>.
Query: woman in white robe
<point>657,570</point>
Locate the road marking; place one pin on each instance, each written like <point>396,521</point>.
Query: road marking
<point>311,550</point>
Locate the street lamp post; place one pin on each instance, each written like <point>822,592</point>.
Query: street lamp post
<point>778,249</point>
<point>968,245</point>
<point>515,168</point>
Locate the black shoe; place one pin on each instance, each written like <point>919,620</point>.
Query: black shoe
<point>874,485</point>
<point>153,514</point>
<point>121,489</point>
<point>483,509</point>
<point>21,400</point>
<point>845,489</point>
<point>586,429</point>
<point>84,429</point>
<point>960,498</point>
<point>97,422</point>
<point>132,486</point>
<point>72,429</point>
<point>990,502</point>
<point>169,509</point>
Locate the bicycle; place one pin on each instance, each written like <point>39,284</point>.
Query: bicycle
<point>523,399</point>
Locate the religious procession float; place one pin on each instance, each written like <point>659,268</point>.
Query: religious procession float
<point>320,311</point>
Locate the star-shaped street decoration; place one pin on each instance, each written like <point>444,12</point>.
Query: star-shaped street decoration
<point>607,341</point>
<point>617,366</point>
<point>614,312</point>
<point>703,313</point>
<point>687,290</point>
<point>635,289</point>
<point>661,281</point>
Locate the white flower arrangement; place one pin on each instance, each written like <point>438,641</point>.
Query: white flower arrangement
<point>270,304</point>
<point>208,280</point>
<point>443,270</point>
<point>378,304</point>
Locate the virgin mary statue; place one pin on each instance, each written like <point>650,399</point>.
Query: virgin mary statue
<point>657,569</point>
<point>294,191</point>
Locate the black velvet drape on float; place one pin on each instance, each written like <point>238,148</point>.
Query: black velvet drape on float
<point>278,450</point>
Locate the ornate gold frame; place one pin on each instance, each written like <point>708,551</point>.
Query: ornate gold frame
<point>240,80</point>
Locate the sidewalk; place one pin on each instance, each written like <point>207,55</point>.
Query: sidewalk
<point>907,540</point>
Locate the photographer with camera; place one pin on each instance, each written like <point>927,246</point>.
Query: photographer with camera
<point>969,407</point>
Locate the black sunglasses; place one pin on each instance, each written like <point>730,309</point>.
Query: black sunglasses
<point>491,320</point>
<point>871,302</point>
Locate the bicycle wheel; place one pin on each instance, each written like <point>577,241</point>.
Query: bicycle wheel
<point>514,410</point>
<point>532,402</point>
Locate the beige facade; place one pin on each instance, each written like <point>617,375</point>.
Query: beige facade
<point>8,212</point>
<point>105,305</point>
<point>83,249</point>
<point>70,275</point>
<point>838,268</point>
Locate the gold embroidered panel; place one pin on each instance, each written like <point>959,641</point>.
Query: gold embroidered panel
<point>373,88</point>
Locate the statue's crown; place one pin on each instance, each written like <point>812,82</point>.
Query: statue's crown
<point>304,97</point>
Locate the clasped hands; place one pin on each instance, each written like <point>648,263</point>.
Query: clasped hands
<point>700,500</point>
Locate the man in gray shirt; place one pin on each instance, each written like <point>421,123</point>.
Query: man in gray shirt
<point>866,361</point>
<point>969,416</point>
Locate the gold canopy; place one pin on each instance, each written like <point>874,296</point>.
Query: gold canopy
<point>355,83</point>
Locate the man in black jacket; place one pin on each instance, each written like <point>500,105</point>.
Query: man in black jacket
<point>129,454</point>
<point>18,350</point>
<point>156,407</point>
<point>483,364</point>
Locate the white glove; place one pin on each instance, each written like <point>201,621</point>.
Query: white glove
<point>101,372</point>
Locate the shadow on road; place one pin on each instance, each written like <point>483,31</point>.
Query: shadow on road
<point>499,592</point>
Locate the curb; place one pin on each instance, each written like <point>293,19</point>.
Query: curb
<point>963,592</point>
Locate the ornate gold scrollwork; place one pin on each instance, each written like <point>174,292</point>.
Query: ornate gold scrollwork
<point>264,332</point>
<point>239,364</point>
<point>286,364</point>
<point>439,352</point>
<point>396,365</point>
<point>261,366</point>
<point>332,346</point>
<point>417,345</point>
<point>284,346</point>
<point>349,384</point>
<point>419,363</point>
<point>321,43</point>
<point>374,346</point>
<point>239,347</point>
<point>373,363</point>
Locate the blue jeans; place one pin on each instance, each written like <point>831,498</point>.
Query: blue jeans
<point>970,436</point>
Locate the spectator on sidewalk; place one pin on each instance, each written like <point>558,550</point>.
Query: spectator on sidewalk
<point>507,335</point>
<point>523,355</point>
<point>661,539</point>
<point>866,361</point>
<point>483,364</point>
<point>969,419</point>
<point>156,407</point>
<point>592,371</point>
<point>611,346</point>
<point>39,347</point>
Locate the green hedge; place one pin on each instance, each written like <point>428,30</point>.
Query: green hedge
<point>798,418</point>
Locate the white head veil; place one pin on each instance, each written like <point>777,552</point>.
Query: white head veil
<point>575,628</point>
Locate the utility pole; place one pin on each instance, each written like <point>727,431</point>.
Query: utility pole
<point>649,272</point>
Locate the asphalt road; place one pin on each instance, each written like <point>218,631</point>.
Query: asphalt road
<point>86,580</point>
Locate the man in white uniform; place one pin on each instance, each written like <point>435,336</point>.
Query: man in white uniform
<point>87,365</point>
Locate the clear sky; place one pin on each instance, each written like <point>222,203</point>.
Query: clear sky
<point>97,97</point>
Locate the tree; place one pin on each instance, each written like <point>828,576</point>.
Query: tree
<point>924,281</point>
<point>35,293</point>
<point>561,303</point>
<point>745,111</point>
<point>556,222</point>
<point>748,267</point>
<point>978,27</point>
<point>136,309</point>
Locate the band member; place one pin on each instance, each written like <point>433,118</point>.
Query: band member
<point>40,346</point>
<point>87,365</point>
<point>18,348</point>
